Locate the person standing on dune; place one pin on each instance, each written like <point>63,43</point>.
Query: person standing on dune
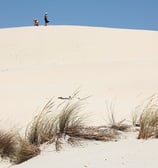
<point>35,22</point>
<point>46,19</point>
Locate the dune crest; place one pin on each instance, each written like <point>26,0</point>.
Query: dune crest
<point>75,44</point>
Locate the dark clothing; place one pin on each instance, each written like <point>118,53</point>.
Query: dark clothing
<point>46,19</point>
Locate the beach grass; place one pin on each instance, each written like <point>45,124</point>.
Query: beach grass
<point>25,151</point>
<point>149,119</point>
<point>8,144</point>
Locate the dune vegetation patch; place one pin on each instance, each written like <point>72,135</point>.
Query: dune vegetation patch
<point>113,124</point>
<point>25,151</point>
<point>8,144</point>
<point>16,148</point>
<point>148,120</point>
<point>64,122</point>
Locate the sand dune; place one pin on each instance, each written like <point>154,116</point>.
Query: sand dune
<point>109,65</point>
<point>68,44</point>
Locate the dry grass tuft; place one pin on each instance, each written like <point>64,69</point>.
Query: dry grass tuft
<point>100,133</point>
<point>120,126</point>
<point>149,119</point>
<point>15,148</point>
<point>117,125</point>
<point>40,129</point>
<point>8,144</point>
<point>52,124</point>
<point>156,133</point>
<point>69,118</point>
<point>25,151</point>
<point>136,118</point>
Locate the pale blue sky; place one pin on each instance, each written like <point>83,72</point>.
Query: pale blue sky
<point>132,14</point>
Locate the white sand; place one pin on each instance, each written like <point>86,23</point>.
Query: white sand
<point>110,65</point>
<point>122,154</point>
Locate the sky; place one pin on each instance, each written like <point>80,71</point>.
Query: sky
<point>128,14</point>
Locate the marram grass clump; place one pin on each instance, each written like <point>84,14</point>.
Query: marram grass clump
<point>54,122</point>
<point>25,151</point>
<point>40,130</point>
<point>8,144</point>
<point>16,148</point>
<point>149,119</point>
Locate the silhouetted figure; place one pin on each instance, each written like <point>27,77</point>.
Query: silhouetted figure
<point>35,22</point>
<point>46,19</point>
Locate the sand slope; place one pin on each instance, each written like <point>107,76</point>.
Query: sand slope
<point>68,44</point>
<point>110,65</point>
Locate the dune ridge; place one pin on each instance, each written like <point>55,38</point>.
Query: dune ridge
<point>74,44</point>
